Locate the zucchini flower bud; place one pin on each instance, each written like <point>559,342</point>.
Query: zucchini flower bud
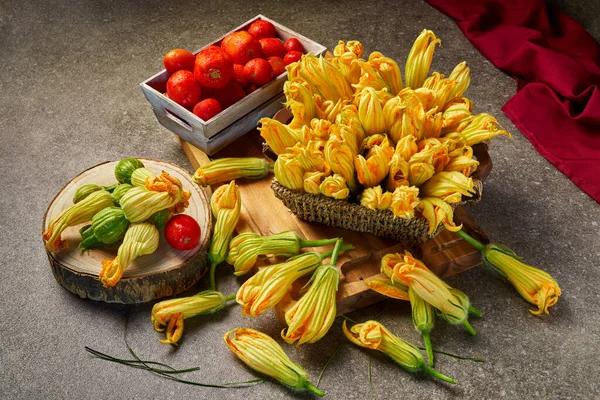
<point>426,97</point>
<point>373,335</point>
<point>119,192</point>
<point>436,211</point>
<point>449,186</point>
<point>140,239</point>
<point>478,128</point>
<point>370,110</point>
<point>375,199</point>
<point>420,167</point>
<point>398,175</point>
<point>261,353</point>
<point>454,113</point>
<point>320,128</point>
<point>349,118</point>
<point>340,158</point>
<point>169,314</point>
<point>461,160</point>
<point>225,205</point>
<point>369,77</point>
<point>386,287</point>
<point>227,169</point>
<point>401,119</point>
<point>327,109</point>
<point>108,226</point>
<point>125,168</point>
<point>441,87</point>
<point>461,74</point>
<point>370,172</point>
<point>267,287</point>
<point>310,157</point>
<point>324,78</point>
<point>334,186</point>
<point>245,248</point>
<point>381,140</point>
<point>300,101</point>
<point>277,135</point>
<point>312,182</point>
<point>289,171</point>
<point>534,285</point>
<point>344,55</point>
<point>439,152</point>
<point>388,70</point>
<point>404,201</point>
<point>419,59</point>
<point>352,46</point>
<point>432,124</point>
<point>423,316</point>
<point>83,211</point>
<point>452,305</point>
<point>84,191</point>
<point>140,176</point>
<point>347,136</point>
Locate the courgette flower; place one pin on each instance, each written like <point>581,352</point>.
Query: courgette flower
<point>371,171</point>
<point>320,128</point>
<point>245,248</point>
<point>140,239</point>
<point>370,110</point>
<point>452,305</point>
<point>340,158</point>
<point>108,226</point>
<point>312,182</point>
<point>227,169</point>
<point>289,171</point>
<point>432,124</point>
<point>419,59</point>
<point>436,211</point>
<point>461,74</point>
<point>373,335</point>
<point>329,110</point>
<point>349,118</point>
<point>300,102</point>
<point>277,135</point>
<point>534,285</point>
<point>225,204</point>
<point>344,55</point>
<point>449,186</point>
<point>335,187</point>
<point>423,316</point>
<point>404,201</point>
<point>454,113</point>
<point>462,160</point>
<point>403,119</point>
<point>310,157</point>
<point>442,89</point>
<point>353,46</point>
<point>140,175</point>
<point>375,198</point>
<point>261,353</point>
<point>388,70</point>
<point>76,214</point>
<point>369,77</point>
<point>347,136</point>
<point>323,78</point>
<point>169,314</point>
<point>478,128</point>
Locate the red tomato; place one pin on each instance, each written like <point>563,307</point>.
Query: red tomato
<point>291,56</point>
<point>293,44</point>
<point>272,47</point>
<point>183,89</point>
<point>242,47</point>
<point>277,64</point>
<point>182,232</point>
<point>230,94</point>
<point>226,39</point>
<point>178,59</point>
<point>262,29</point>
<point>238,75</point>
<point>207,108</point>
<point>258,71</point>
<point>252,87</point>
<point>213,67</point>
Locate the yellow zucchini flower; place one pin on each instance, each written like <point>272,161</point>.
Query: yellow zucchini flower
<point>404,201</point>
<point>420,167</point>
<point>441,87</point>
<point>324,78</point>
<point>82,211</point>
<point>227,169</point>
<point>388,288</point>
<point>401,119</point>
<point>388,70</point>
<point>329,110</point>
<point>310,157</point>
<point>344,62</point>
<point>140,239</point>
<point>461,74</point>
<point>399,167</point>
<point>348,117</point>
<point>312,182</point>
<point>478,128</point>
<point>449,186</point>
<point>225,204</point>
<point>454,113</point>
<point>277,135</point>
<point>370,110</point>
<point>245,248</point>
<point>462,160</point>
<point>347,136</point>
<point>169,314</point>
<point>261,353</point>
<point>381,140</point>
<point>352,46</point>
<point>289,171</point>
<point>419,59</point>
<point>320,128</point>
<point>371,171</point>
<point>436,211</point>
<point>300,102</point>
<point>334,186</point>
<point>432,124</point>
<point>375,199</point>
<point>340,158</point>
<point>140,175</point>
<point>426,97</point>
<point>423,316</point>
<point>373,335</point>
<point>369,77</point>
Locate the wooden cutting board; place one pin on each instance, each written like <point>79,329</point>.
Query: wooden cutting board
<point>447,254</point>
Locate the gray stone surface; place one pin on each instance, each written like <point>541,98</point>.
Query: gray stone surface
<point>70,99</point>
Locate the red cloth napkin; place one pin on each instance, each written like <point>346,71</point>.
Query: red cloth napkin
<point>557,67</point>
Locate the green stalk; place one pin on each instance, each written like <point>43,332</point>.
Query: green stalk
<point>471,240</point>
<point>469,328</point>
<point>213,268</point>
<point>271,166</point>
<point>313,389</point>
<point>317,243</point>
<point>336,252</point>
<point>428,347</point>
<point>437,374</point>
<point>344,247</point>
<point>230,297</point>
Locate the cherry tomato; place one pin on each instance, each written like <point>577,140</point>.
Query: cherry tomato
<point>277,64</point>
<point>258,71</point>
<point>178,59</point>
<point>293,44</point>
<point>182,232</point>
<point>262,29</point>
<point>207,108</point>
<point>213,67</point>
<point>238,75</point>
<point>291,56</point>
<point>183,89</point>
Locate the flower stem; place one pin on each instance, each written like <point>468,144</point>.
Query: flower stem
<point>469,328</point>
<point>271,166</point>
<point>428,347</point>
<point>479,246</point>
<point>438,375</point>
<point>213,283</point>
<point>330,252</point>
<point>317,243</point>
<point>230,297</point>
<point>313,389</point>
<point>336,252</point>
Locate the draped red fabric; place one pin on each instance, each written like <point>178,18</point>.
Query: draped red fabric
<point>557,67</point>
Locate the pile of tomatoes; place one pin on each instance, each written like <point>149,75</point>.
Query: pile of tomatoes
<point>219,76</point>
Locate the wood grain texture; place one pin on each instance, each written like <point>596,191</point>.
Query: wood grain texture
<point>446,254</point>
<point>164,273</point>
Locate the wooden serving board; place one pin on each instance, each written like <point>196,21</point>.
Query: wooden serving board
<point>447,254</point>
<point>164,273</point>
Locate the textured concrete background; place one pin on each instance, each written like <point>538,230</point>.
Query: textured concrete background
<point>70,99</point>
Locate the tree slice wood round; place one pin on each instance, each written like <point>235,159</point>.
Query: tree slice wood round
<point>166,272</point>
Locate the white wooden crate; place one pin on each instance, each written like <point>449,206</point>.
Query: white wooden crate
<point>233,122</point>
